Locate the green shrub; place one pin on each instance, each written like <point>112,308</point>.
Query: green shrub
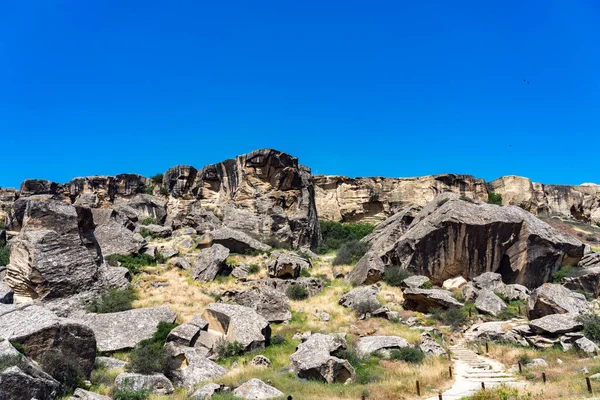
<point>277,340</point>
<point>64,369</point>
<point>149,189</point>
<point>163,191</point>
<point>253,269</point>
<point>494,198</point>
<point>149,221</point>
<point>131,395</point>
<point>113,300</point>
<point>304,272</point>
<point>145,233</point>
<point>149,355</point>
<point>408,354</point>
<point>564,272</point>
<point>455,317</point>
<point>363,366</point>
<point>4,255</point>
<point>229,349</point>
<point>297,292</point>
<point>591,326</point>
<point>598,224</point>
<point>335,234</point>
<point>512,309</point>
<point>2,226</point>
<point>157,179</point>
<point>133,263</point>
<point>427,285</point>
<point>524,359</point>
<point>350,252</point>
<point>394,276</point>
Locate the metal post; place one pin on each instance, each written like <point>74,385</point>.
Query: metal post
<point>450,371</point>
<point>544,377</point>
<point>418,389</point>
<point>589,384</point>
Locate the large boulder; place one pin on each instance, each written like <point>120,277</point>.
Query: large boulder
<point>272,304</point>
<point>184,334</point>
<point>382,344</point>
<point>186,367</point>
<point>555,299</point>
<point>81,394</point>
<point>125,329</point>
<point>240,324</point>
<point>555,324</point>
<point>454,236</point>
<point>312,285</point>
<point>255,389</point>
<point>489,281</point>
<point>452,284</point>
<point>235,241</point>
<point>22,379</point>
<point>287,266</point>
<point>56,253</point>
<point>425,300</point>
<point>415,282</point>
<point>488,302</point>
<point>430,346</point>
<point>154,383</point>
<point>115,233</point>
<point>40,331</point>
<point>368,270</point>
<point>362,300</point>
<point>587,280</point>
<point>209,263</point>
<point>313,359</point>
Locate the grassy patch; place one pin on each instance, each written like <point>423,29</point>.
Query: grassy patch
<point>113,300</point>
<point>335,234</point>
<point>4,255</point>
<point>149,355</point>
<point>564,272</point>
<point>149,221</point>
<point>133,263</point>
<point>297,292</point>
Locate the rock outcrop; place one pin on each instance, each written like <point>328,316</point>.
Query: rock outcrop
<point>362,300</point>
<point>555,299</point>
<point>272,304</point>
<point>255,389</point>
<point>381,344</point>
<point>209,263</point>
<point>425,300</point>
<point>187,367</point>
<point>313,359</point>
<point>154,383</point>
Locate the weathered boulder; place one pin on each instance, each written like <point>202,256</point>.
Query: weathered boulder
<point>206,392</point>
<point>362,300</point>
<point>430,346</point>
<point>587,280</point>
<point>148,206</point>
<point>235,241</point>
<point>209,263</point>
<point>240,271</point>
<point>313,359</point>
<point>590,260</point>
<point>555,324</point>
<point>261,361</point>
<point>368,270</point>
<point>502,331</point>
<point>287,266</point>
<point>184,334</point>
<point>115,233</point>
<point>555,299</point>
<point>81,394</point>
<point>489,303</point>
<point>256,389</point>
<point>454,236</point>
<point>515,291</point>
<point>155,231</point>
<point>110,363</point>
<point>415,281</point>
<point>312,285</point>
<point>155,383</point>
<point>180,262</point>
<point>40,331</point>
<point>6,293</point>
<point>240,324</point>
<point>587,346</point>
<point>186,367</point>
<point>273,305</point>
<point>22,379</point>
<point>424,300</point>
<point>489,281</point>
<point>56,253</point>
<point>454,283</point>
<point>382,344</point>
<point>125,329</point>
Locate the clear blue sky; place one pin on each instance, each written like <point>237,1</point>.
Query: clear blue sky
<point>354,88</point>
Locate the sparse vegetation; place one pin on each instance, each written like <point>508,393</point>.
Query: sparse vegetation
<point>394,276</point>
<point>149,221</point>
<point>499,393</point>
<point>304,272</point>
<point>133,263</point>
<point>350,252</point>
<point>163,191</point>
<point>4,255</point>
<point>229,349</point>
<point>408,354</point>
<point>64,369</point>
<point>157,179</point>
<point>253,269</point>
<point>297,292</point>
<point>113,300</point>
<point>455,317</point>
<point>494,198</point>
<point>149,189</point>
<point>276,243</point>
<point>564,272</point>
<point>512,309</point>
<point>591,326</point>
<point>149,355</point>
<point>131,395</point>
<point>335,234</point>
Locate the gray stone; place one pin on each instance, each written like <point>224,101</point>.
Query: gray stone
<point>155,231</point>
<point>469,292</point>
<point>556,324</point>
<point>81,394</point>
<point>40,331</point>
<point>240,271</point>
<point>313,359</point>
<point>587,346</point>
<point>6,293</point>
<point>199,322</point>
<point>454,283</point>
<point>167,251</point>
<point>124,330</point>
<point>424,300</point>
<point>238,324</point>
<point>209,263</point>
<point>361,300</point>
<point>206,392</point>
<point>184,334</point>
<point>261,361</point>
<point>515,291</point>
<point>287,266</point>
<point>555,299</point>
<point>430,346</point>
<point>187,367</point>
<point>415,281</point>
<point>273,305</point>
<point>587,280</point>
<point>381,344</point>
<point>489,281</point>
<point>488,303</point>
<point>156,383</point>
<point>236,241</point>
<point>312,285</point>
<point>368,270</point>
<point>115,238</point>
<point>180,262</point>
<point>256,389</point>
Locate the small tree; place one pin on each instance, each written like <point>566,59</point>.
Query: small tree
<point>297,292</point>
<point>494,198</point>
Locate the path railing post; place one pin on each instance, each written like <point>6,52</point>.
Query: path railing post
<point>589,384</point>
<point>544,377</point>
<point>440,396</point>
<point>520,367</point>
<point>450,371</point>
<point>482,385</point>
<point>418,389</point>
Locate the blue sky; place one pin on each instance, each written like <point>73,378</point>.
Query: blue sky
<point>381,88</point>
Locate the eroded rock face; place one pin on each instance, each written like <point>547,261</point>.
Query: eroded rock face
<point>454,236</point>
<point>115,232</point>
<point>256,389</point>
<point>382,344</point>
<point>56,253</point>
<point>209,263</point>
<point>488,302</point>
<point>287,266</point>
<point>555,299</point>
<point>155,383</point>
<point>41,331</point>
<point>556,324</point>
<point>272,304</point>
<point>424,300</point>
<point>240,324</point>
<point>313,359</point>
<point>235,241</point>
<point>368,270</point>
<point>588,281</point>
<point>187,367</point>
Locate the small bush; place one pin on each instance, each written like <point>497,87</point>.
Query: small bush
<point>149,221</point>
<point>427,285</point>
<point>113,300</point>
<point>591,326</point>
<point>524,359</point>
<point>163,191</point>
<point>64,369</point>
<point>229,349</point>
<point>2,226</point>
<point>394,276</point>
<point>494,198</point>
<point>4,255</point>
<point>149,355</point>
<point>297,292</point>
<point>598,224</point>
<point>350,252</point>
<point>276,243</point>
<point>408,354</point>
<point>304,272</point>
<point>157,179</point>
<point>564,272</point>
<point>458,295</point>
<point>133,263</point>
<point>455,317</point>
<point>277,340</point>
<point>335,234</point>
<point>149,189</point>
<point>131,395</point>
<point>253,269</point>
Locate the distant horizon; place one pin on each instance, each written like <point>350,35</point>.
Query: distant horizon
<point>391,89</point>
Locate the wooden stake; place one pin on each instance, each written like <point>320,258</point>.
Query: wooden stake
<point>487,347</point>
<point>483,385</point>
<point>544,377</point>
<point>589,384</point>
<point>440,396</point>
<point>418,389</point>
<point>450,371</point>
<point>520,367</point>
